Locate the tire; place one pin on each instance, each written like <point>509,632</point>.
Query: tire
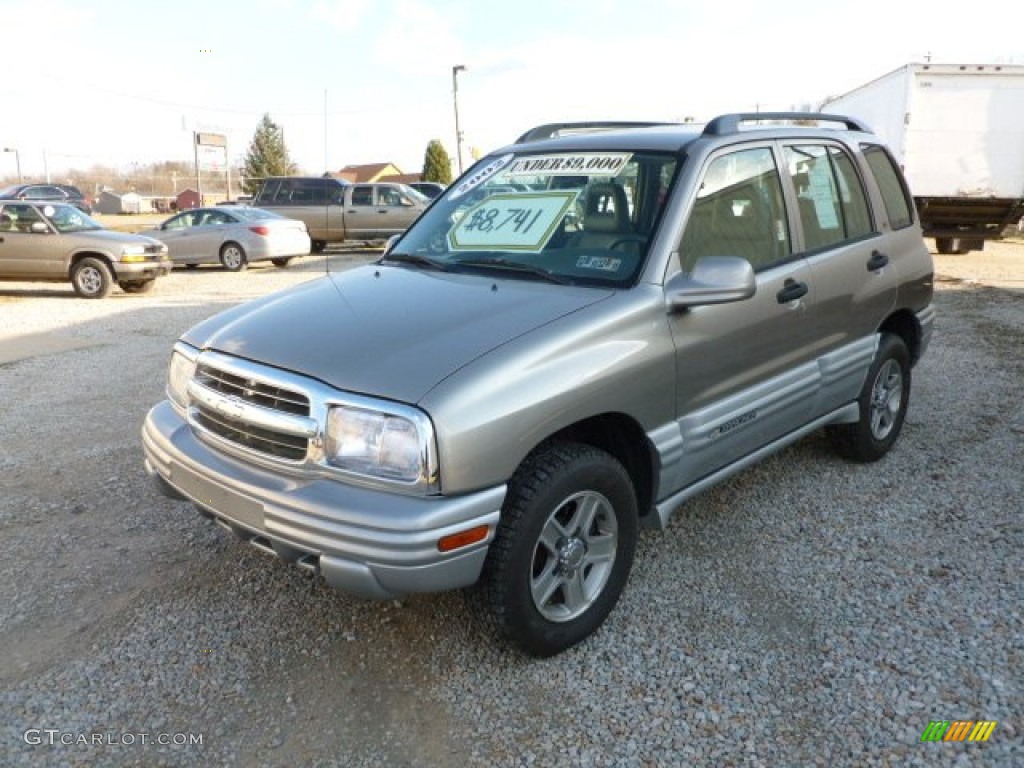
<point>562,552</point>
<point>281,262</point>
<point>232,257</point>
<point>944,245</point>
<point>91,278</point>
<point>883,405</point>
<point>142,286</point>
<point>318,246</point>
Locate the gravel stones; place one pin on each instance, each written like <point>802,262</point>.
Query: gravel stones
<point>807,612</point>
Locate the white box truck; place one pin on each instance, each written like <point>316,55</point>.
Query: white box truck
<point>958,132</point>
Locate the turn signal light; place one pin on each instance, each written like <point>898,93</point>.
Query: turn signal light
<point>462,538</point>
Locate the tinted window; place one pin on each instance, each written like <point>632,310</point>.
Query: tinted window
<point>362,195</point>
<point>44,193</point>
<point>738,212</point>
<point>895,196</point>
<point>268,190</point>
<point>833,206</point>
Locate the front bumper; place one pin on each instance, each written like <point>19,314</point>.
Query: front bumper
<point>364,541</point>
<point>143,270</point>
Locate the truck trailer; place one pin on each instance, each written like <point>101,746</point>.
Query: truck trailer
<point>957,130</point>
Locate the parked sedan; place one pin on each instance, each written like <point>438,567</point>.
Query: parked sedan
<point>48,193</point>
<point>56,242</point>
<point>233,235</point>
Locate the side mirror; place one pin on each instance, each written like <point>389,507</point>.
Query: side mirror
<point>714,280</point>
<point>39,228</point>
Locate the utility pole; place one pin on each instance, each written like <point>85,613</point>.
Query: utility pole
<point>455,98</point>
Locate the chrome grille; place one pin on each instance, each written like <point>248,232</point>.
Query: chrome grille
<point>251,391</point>
<point>268,442</point>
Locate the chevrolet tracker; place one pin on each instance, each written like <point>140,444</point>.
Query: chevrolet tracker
<point>590,327</point>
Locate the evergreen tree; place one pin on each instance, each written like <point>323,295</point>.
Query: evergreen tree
<point>267,155</point>
<point>437,166</point>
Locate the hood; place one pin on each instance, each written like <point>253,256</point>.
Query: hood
<point>112,236</point>
<point>387,331</point>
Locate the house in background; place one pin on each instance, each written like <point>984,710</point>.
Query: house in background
<point>402,178</point>
<point>189,198</point>
<point>364,174</point>
<point>128,202</point>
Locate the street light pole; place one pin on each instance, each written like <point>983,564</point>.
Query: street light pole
<point>17,161</point>
<point>455,99</point>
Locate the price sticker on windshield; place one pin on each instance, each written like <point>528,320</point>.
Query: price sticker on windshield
<point>511,222</point>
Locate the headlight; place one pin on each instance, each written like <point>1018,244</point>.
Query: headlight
<point>133,250</point>
<point>179,372</point>
<point>379,444</point>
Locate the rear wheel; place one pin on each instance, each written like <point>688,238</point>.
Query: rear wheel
<point>563,549</point>
<point>138,286</point>
<point>281,262</point>
<point>318,246</point>
<point>944,245</point>
<point>91,278</point>
<point>883,405</point>
<point>232,256</point>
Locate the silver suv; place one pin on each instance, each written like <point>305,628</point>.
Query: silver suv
<point>588,328</point>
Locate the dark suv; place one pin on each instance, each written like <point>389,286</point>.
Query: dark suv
<point>48,193</point>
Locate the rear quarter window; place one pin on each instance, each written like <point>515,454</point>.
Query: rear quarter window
<point>895,195</point>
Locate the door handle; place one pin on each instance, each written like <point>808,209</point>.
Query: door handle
<point>877,261</point>
<point>791,291</point>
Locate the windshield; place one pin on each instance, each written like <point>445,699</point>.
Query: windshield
<point>67,218</point>
<point>576,217</point>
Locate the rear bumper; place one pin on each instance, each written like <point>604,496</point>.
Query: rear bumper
<point>364,541</point>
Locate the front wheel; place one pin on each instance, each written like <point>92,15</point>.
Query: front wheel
<point>91,278</point>
<point>883,405</point>
<point>232,256</point>
<point>563,549</point>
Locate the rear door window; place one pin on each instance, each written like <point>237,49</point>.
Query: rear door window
<point>833,207</point>
<point>895,195</point>
<point>362,195</point>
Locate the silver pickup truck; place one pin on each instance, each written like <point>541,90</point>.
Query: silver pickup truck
<point>335,211</point>
<point>590,327</point>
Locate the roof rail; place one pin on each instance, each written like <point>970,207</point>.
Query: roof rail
<point>724,124</point>
<point>548,131</point>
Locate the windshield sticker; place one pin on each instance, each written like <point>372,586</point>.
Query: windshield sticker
<point>593,163</point>
<point>604,263</point>
<point>511,222</point>
<point>479,177</point>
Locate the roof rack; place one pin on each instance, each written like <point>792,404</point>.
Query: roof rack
<point>724,124</point>
<point>550,130</point>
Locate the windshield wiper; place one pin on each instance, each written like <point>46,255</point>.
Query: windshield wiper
<point>508,265</point>
<point>417,260</point>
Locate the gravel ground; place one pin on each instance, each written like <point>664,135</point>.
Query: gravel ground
<point>808,612</point>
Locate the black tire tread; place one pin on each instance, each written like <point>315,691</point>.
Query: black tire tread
<point>489,597</point>
<point>854,441</point>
